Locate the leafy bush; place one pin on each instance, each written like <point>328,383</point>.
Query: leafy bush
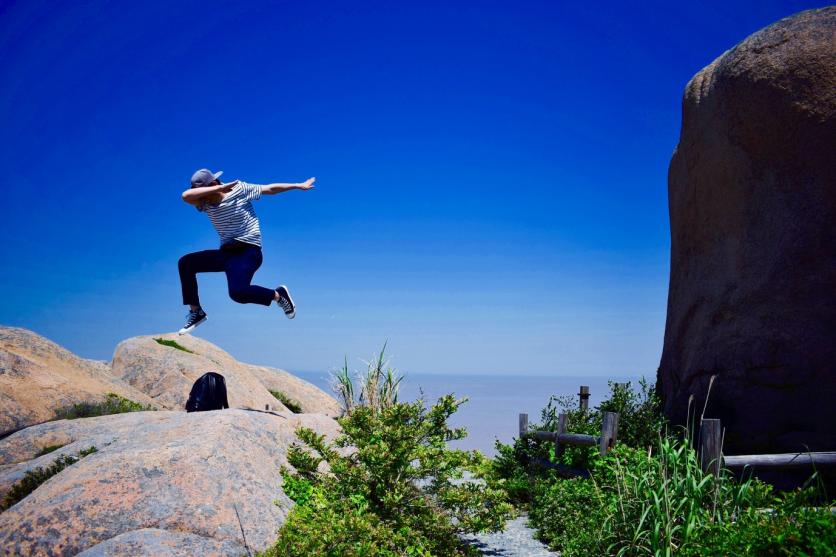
<point>324,526</point>
<point>172,344</point>
<point>793,526</point>
<point>660,502</point>
<point>112,404</point>
<point>649,495</point>
<point>515,465</point>
<point>568,514</point>
<point>34,478</point>
<point>291,404</point>
<point>640,422</point>
<point>389,485</point>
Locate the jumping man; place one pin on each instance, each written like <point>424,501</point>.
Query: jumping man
<point>229,207</point>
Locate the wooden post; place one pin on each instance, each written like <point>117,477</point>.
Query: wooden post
<point>561,428</point>
<point>710,446</point>
<point>584,395</point>
<point>609,431</point>
<point>523,425</point>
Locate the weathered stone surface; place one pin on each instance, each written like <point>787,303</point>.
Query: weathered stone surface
<point>171,471</point>
<point>162,543</point>
<point>166,374</point>
<point>752,189</point>
<point>38,376</point>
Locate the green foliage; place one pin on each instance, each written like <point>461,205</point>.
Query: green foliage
<point>291,404</point>
<point>34,478</point>
<point>569,514</point>
<point>379,385</point>
<point>640,422</point>
<point>389,485</point>
<point>649,495</point>
<point>112,404</point>
<point>326,526</point>
<point>660,502</point>
<point>792,527</point>
<point>515,465</point>
<point>665,500</point>
<point>172,344</point>
<point>48,449</point>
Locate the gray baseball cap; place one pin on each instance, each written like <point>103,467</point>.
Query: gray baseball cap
<point>204,177</point>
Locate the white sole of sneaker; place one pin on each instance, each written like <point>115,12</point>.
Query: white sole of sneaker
<point>187,330</point>
<point>292,314</point>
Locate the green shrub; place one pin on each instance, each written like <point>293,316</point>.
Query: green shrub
<point>660,502</point>
<point>291,404</point>
<point>649,495</point>
<point>34,478</point>
<point>332,527</point>
<point>640,422</point>
<point>112,404</point>
<point>172,344</point>
<point>568,515</point>
<point>515,465</point>
<point>792,527</point>
<point>393,487</point>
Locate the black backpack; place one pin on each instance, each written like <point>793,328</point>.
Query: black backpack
<point>208,393</point>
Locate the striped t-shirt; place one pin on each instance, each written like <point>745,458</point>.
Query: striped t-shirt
<point>234,218</point>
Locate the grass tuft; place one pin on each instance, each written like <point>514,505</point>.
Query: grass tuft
<point>48,449</point>
<point>379,385</point>
<point>292,405</point>
<point>35,478</point>
<point>172,344</point>
<point>112,404</point>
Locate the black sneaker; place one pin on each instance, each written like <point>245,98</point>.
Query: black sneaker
<point>193,319</point>
<point>286,302</point>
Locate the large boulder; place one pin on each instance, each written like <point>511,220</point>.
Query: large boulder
<point>752,189</point>
<point>166,374</point>
<point>160,483</point>
<point>38,377</point>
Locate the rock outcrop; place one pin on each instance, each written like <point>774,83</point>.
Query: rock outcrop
<point>166,374</point>
<point>752,189</point>
<point>37,377</point>
<point>161,483</point>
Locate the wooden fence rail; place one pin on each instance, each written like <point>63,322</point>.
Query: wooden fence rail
<point>712,458</point>
<point>561,438</point>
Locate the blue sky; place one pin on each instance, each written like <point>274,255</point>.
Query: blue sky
<point>491,176</point>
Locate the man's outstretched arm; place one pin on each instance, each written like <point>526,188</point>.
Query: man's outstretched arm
<point>271,189</point>
<point>194,195</point>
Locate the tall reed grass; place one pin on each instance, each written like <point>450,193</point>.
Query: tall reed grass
<point>378,385</point>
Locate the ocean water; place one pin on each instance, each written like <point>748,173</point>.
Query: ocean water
<point>495,401</point>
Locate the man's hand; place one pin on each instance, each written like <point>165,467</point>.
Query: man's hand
<point>272,189</point>
<point>307,184</point>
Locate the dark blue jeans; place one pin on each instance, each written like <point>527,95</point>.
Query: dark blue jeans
<point>238,260</point>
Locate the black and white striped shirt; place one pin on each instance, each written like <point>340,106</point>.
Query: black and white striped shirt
<point>234,218</point>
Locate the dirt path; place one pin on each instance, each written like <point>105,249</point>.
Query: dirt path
<point>517,540</point>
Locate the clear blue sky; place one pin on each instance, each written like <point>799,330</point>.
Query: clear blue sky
<point>491,176</point>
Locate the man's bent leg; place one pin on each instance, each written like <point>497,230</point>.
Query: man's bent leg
<point>240,268</point>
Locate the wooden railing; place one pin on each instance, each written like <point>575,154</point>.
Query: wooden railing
<point>710,444</point>
<point>561,437</point>
<point>712,458</point>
